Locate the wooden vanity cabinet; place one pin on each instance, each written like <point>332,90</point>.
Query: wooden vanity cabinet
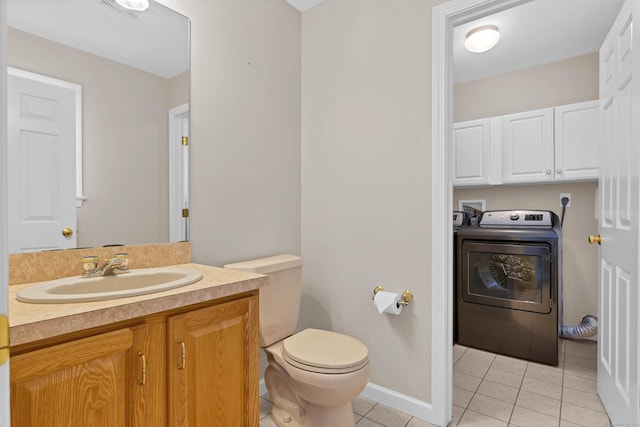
<point>146,381</point>
<point>79,383</point>
<point>138,375</point>
<point>213,366</point>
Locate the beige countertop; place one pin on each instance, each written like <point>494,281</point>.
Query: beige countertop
<point>32,322</point>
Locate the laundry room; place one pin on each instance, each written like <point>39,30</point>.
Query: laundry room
<point>548,99</point>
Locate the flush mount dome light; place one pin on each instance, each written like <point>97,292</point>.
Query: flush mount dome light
<point>137,5</point>
<point>482,38</point>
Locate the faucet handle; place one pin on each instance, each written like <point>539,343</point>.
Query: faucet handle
<point>89,263</point>
<point>123,262</point>
<point>124,258</point>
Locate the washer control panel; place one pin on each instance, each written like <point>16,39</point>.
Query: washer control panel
<point>516,218</point>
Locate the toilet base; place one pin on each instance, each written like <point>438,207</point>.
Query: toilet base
<point>317,416</point>
<point>303,398</point>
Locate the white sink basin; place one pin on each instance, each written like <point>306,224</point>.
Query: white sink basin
<point>136,282</point>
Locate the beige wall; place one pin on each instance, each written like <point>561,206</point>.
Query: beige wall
<point>366,117</point>
<point>245,128</point>
<point>558,83</point>
<point>366,151</point>
<point>562,82</point>
<point>125,163</point>
<point>179,90</point>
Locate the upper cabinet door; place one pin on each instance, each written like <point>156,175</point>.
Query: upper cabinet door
<point>527,146</point>
<point>577,137</point>
<point>471,152</point>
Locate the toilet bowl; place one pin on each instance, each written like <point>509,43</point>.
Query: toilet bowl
<point>314,374</point>
<point>315,388</point>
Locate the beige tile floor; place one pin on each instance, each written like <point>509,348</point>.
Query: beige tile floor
<point>494,390</point>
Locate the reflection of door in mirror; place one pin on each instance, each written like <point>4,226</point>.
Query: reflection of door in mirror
<point>179,173</point>
<point>42,135</point>
<point>133,70</point>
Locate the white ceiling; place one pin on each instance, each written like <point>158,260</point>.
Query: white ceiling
<point>156,41</point>
<point>303,5</point>
<point>534,33</point>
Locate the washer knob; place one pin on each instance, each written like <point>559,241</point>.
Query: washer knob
<point>514,217</point>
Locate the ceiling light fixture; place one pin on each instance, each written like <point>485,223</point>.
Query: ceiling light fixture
<point>482,38</point>
<point>137,5</point>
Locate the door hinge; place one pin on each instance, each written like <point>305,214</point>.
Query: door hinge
<point>4,339</point>
<point>185,140</point>
<point>185,213</point>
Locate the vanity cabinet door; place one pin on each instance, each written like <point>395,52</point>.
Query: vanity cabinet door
<point>213,366</point>
<point>146,380</point>
<point>78,383</point>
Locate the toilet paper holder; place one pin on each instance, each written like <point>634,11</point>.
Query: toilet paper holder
<point>405,297</point>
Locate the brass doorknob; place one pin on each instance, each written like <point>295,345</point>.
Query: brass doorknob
<point>67,232</point>
<point>595,239</point>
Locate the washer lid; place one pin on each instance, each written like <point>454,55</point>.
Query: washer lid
<point>325,349</point>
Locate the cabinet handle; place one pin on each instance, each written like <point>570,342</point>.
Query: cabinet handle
<point>559,171</point>
<point>143,379</point>
<point>548,171</point>
<point>184,356</point>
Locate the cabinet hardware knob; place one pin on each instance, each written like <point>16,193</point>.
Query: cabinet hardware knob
<point>67,232</point>
<point>559,171</point>
<point>184,356</point>
<point>595,239</point>
<point>548,171</point>
<point>143,361</point>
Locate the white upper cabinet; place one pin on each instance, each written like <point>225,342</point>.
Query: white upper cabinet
<point>577,136</point>
<point>471,152</point>
<point>527,146</point>
<point>546,145</point>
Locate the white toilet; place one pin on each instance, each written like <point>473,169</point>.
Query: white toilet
<point>312,375</point>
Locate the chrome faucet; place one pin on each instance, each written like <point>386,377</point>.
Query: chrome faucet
<point>116,265</point>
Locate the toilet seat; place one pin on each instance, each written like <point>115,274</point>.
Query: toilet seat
<point>325,352</point>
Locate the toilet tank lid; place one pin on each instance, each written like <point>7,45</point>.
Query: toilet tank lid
<point>268,265</point>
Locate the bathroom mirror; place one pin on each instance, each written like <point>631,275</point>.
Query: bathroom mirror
<point>133,68</point>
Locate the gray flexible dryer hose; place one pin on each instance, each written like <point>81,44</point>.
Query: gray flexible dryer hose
<point>588,327</point>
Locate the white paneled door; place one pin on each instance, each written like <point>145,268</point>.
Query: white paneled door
<point>618,219</point>
<point>42,165</point>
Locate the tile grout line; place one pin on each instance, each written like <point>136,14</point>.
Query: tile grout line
<point>518,394</point>
<point>564,362</point>
<point>465,408</point>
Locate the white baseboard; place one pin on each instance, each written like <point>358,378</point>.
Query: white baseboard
<point>398,401</point>
<point>390,398</point>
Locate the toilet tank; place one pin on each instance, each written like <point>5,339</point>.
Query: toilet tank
<point>280,299</point>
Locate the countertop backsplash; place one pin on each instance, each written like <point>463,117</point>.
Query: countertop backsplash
<point>49,265</point>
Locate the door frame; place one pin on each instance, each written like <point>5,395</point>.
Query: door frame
<point>178,174</point>
<point>5,416</point>
<point>444,18</point>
